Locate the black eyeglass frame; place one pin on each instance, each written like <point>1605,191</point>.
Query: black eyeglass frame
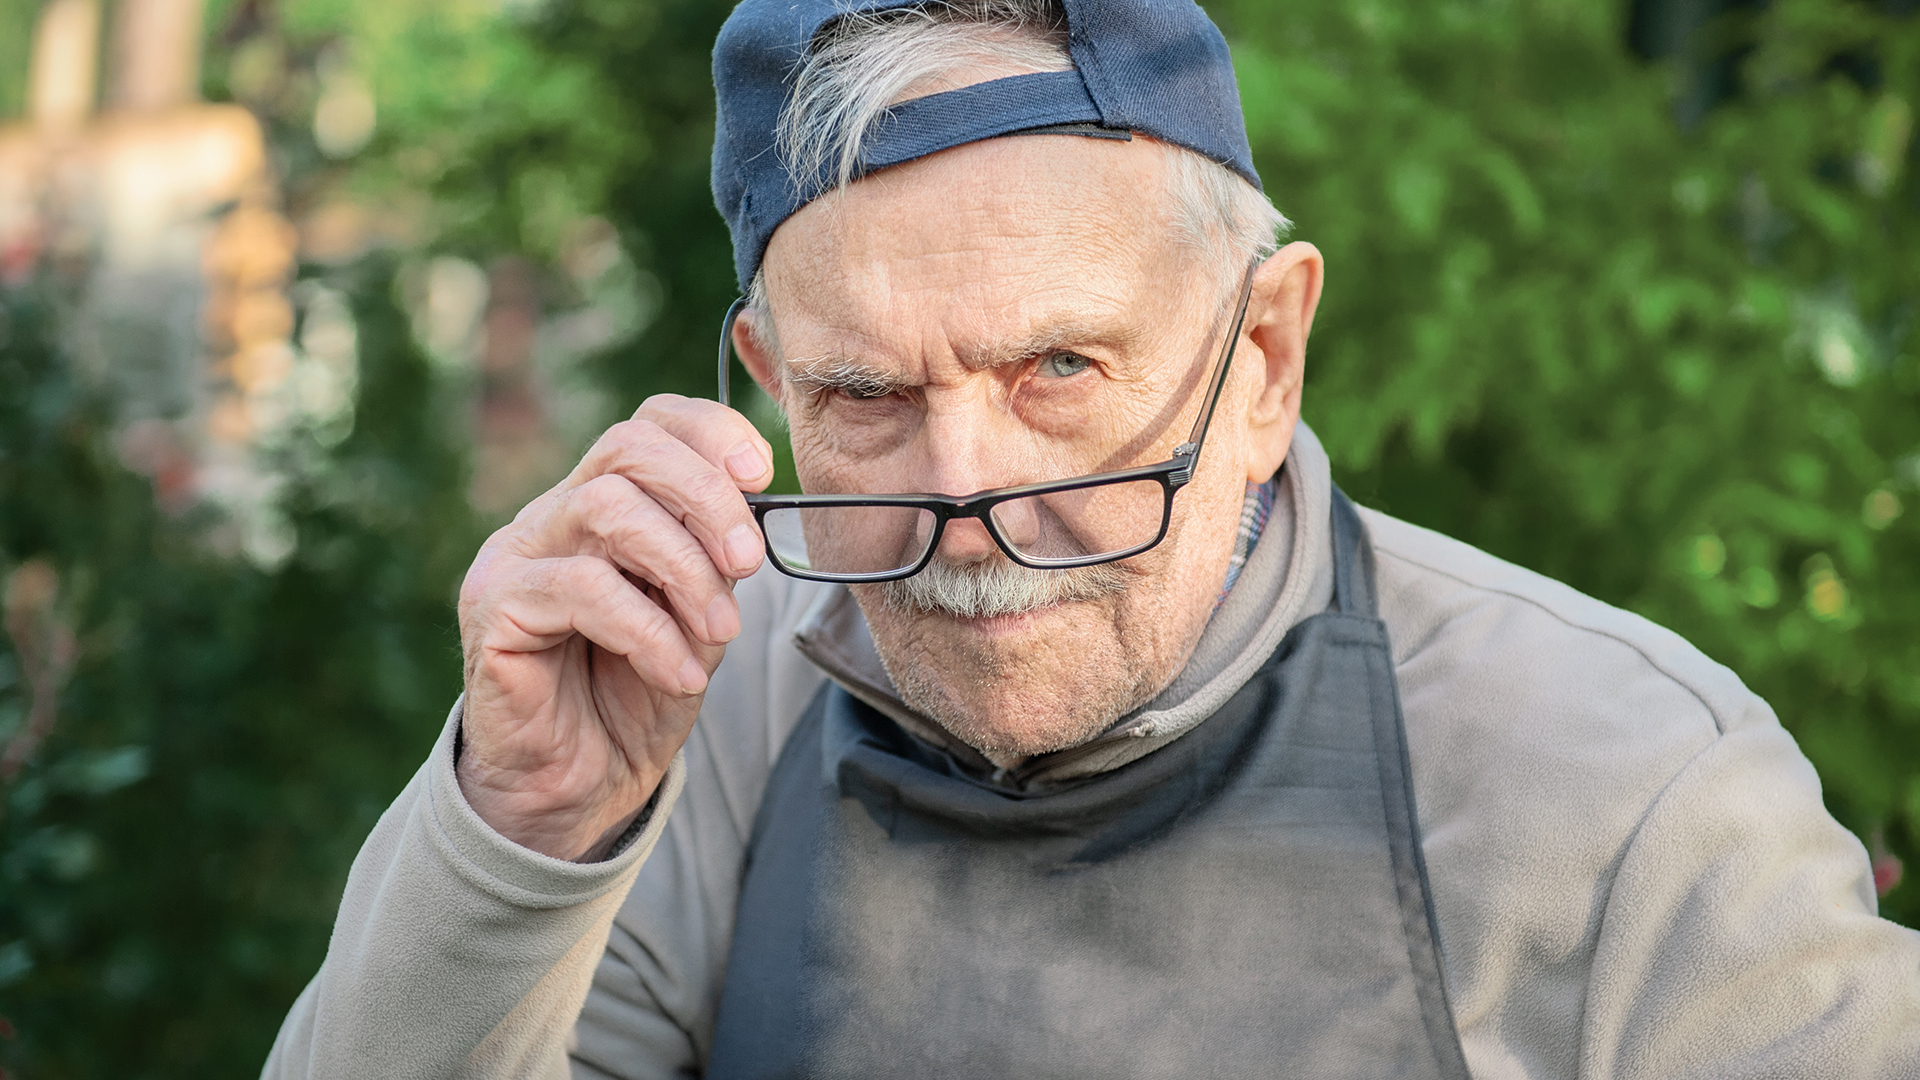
<point>1172,475</point>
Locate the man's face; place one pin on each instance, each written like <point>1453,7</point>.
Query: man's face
<point>1014,311</point>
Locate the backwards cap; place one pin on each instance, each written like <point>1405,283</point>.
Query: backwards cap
<point>1156,67</point>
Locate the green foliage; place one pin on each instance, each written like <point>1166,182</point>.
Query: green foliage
<point>171,860</point>
<point>1674,369</point>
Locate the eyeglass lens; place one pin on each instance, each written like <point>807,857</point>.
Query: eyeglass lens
<point>854,540</point>
<point>1060,528</point>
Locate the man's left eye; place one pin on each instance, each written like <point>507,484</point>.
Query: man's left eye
<point>1061,365</point>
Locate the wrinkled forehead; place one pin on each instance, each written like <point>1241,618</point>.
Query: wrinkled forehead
<point>992,234</point>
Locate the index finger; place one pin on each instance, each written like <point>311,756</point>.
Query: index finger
<point>715,432</point>
<point>725,439</point>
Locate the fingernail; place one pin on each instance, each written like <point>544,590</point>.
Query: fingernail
<point>693,677</point>
<point>723,619</point>
<point>746,462</point>
<point>743,548</point>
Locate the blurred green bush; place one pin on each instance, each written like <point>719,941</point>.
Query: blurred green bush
<point>170,862</point>
<point>1673,368</point>
<point>1660,351</point>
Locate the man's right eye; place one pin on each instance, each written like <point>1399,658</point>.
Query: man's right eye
<point>1061,365</point>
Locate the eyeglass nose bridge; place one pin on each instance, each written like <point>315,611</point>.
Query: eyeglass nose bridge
<point>969,508</point>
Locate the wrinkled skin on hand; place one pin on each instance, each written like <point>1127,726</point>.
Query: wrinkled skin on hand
<point>592,622</point>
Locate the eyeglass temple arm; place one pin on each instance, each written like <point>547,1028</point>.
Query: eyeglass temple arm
<point>726,349</point>
<point>1198,436</point>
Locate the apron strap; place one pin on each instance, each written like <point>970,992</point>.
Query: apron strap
<point>1353,589</point>
<point>1355,594</point>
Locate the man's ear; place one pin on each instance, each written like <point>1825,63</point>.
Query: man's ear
<point>754,342</point>
<point>1286,291</point>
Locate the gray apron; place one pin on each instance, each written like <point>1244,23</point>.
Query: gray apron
<point>1249,900</point>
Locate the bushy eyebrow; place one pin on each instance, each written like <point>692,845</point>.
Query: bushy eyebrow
<point>840,372</point>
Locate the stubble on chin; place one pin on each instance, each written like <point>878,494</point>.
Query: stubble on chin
<point>1053,686</point>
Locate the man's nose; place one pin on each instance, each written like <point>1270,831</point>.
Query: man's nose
<point>968,450</point>
<point>966,540</point>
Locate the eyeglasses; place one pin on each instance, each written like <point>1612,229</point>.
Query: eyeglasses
<point>1082,521</point>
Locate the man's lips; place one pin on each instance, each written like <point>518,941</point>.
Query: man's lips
<point>997,626</point>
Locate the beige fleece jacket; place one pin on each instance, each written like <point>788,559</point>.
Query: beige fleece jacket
<point>1632,869</point>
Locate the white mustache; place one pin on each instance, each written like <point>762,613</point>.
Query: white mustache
<point>1001,587</point>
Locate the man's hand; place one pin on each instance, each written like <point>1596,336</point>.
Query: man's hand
<point>592,622</point>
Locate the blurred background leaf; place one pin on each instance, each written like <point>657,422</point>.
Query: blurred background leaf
<point>1621,292</point>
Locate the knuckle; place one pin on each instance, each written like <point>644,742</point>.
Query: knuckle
<point>515,534</point>
<point>643,431</point>
<point>590,584</point>
<point>491,577</point>
<point>649,452</point>
<point>560,582</point>
<point>634,534</point>
<point>525,534</point>
<point>686,564</point>
<point>540,579</point>
<point>706,488</point>
<point>505,533</point>
<point>637,530</point>
<point>656,629</point>
<point>626,438</point>
<point>588,577</point>
<point>608,494</point>
<point>660,405</point>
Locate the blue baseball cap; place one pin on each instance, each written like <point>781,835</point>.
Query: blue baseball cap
<point>1154,67</point>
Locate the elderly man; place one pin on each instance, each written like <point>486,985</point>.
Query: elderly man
<point>1078,726</point>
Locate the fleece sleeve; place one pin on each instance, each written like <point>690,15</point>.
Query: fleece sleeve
<point>1740,937</point>
<point>456,952</point>
<point>650,1014</point>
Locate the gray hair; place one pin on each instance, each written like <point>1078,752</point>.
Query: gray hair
<point>860,64</point>
<point>999,587</point>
